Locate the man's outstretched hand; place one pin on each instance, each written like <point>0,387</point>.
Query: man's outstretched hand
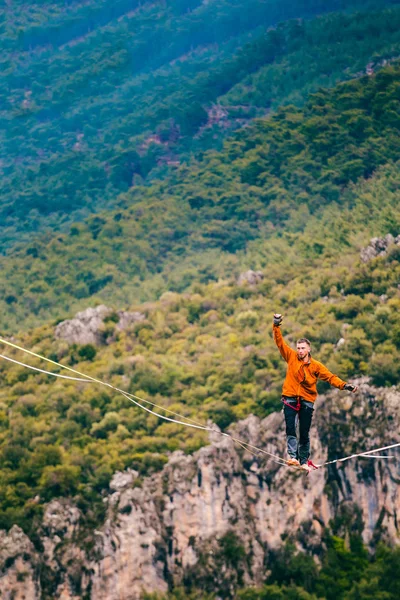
<point>277,319</point>
<point>349,387</point>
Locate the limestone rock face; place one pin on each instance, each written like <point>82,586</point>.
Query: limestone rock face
<point>126,319</point>
<point>18,566</point>
<point>87,326</point>
<point>130,547</point>
<point>177,524</point>
<point>61,554</point>
<point>378,247</point>
<point>250,277</point>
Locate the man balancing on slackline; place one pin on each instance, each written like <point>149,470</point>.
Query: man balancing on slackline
<point>299,393</point>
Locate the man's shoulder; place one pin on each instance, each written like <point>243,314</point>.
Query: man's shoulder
<point>319,366</point>
<point>316,363</point>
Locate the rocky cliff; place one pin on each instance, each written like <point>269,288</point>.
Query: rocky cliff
<point>212,518</point>
<point>87,327</point>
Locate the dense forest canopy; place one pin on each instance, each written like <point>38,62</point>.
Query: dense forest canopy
<point>97,96</point>
<point>205,221</point>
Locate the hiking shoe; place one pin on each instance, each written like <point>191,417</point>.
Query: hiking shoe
<point>306,467</point>
<point>293,462</point>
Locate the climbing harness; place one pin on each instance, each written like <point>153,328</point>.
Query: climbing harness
<point>296,406</point>
<point>138,401</point>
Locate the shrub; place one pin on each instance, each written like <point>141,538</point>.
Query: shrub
<point>109,423</point>
<point>220,413</point>
<point>59,480</point>
<point>87,352</point>
<point>384,369</point>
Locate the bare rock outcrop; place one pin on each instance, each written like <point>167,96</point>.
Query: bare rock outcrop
<point>127,319</point>
<point>130,547</point>
<point>250,277</point>
<point>87,327</point>
<point>18,566</point>
<point>175,525</point>
<point>378,247</point>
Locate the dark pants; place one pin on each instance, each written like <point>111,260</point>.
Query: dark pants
<point>299,449</point>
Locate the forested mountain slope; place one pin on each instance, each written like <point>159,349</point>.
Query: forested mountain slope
<point>209,354</point>
<point>95,96</point>
<point>123,109</point>
<point>310,178</point>
<point>204,354</point>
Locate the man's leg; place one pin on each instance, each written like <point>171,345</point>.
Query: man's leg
<point>305,418</point>
<point>290,420</point>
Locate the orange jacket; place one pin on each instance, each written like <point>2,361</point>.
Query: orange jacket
<point>301,378</point>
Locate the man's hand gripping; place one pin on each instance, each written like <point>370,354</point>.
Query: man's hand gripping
<point>349,387</point>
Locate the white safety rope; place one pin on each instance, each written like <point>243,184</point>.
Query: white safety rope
<point>134,399</point>
<point>367,454</point>
<point>42,371</point>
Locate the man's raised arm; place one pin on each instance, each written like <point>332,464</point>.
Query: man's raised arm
<point>283,347</point>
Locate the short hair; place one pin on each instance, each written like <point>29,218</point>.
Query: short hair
<point>304,341</point>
